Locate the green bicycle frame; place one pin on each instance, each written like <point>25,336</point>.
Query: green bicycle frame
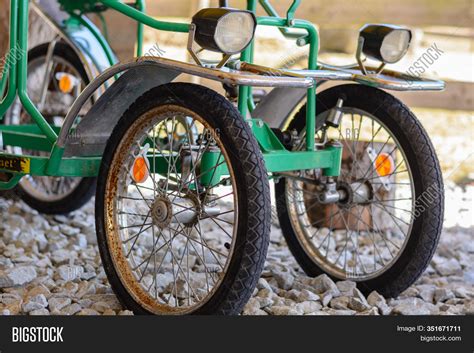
<point>42,136</point>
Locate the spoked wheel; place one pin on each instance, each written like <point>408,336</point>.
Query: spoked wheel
<point>52,195</point>
<point>183,227</point>
<point>384,229</point>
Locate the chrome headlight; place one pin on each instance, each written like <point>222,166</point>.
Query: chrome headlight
<point>385,43</point>
<point>224,30</point>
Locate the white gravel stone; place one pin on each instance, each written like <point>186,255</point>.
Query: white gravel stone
<point>57,257</point>
<point>39,312</point>
<point>359,304</point>
<point>81,240</point>
<point>443,294</point>
<point>58,303</point>
<point>306,295</point>
<point>369,312</point>
<point>263,284</point>
<point>68,230</point>
<point>62,256</point>
<point>469,307</point>
<point>323,283</point>
<point>284,310</point>
<point>17,276</point>
<point>308,307</point>
<point>340,303</point>
<point>413,306</point>
<point>284,279</point>
<point>71,309</point>
<point>252,307</point>
<point>35,303</point>
<point>346,286</point>
<point>448,267</point>
<point>375,299</point>
<point>426,292</point>
<point>87,312</point>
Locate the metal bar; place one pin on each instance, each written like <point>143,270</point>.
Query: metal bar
<point>290,15</point>
<point>246,56</point>
<point>290,161</point>
<point>145,19</point>
<point>389,79</point>
<point>22,72</point>
<point>270,10</point>
<point>69,167</point>
<point>328,159</point>
<point>313,40</point>
<point>310,119</point>
<point>222,75</point>
<point>25,136</point>
<point>11,73</point>
<point>266,138</point>
<point>140,4</point>
<point>7,185</point>
<point>47,72</point>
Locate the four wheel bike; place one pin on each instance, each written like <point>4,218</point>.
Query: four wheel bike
<point>183,173</point>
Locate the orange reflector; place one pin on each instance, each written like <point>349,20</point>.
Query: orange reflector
<point>384,164</point>
<point>140,170</point>
<point>65,83</point>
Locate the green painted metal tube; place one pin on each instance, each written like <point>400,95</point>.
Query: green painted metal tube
<point>313,39</point>
<point>210,173</point>
<point>335,169</point>
<point>70,167</point>
<point>245,92</point>
<point>7,185</point>
<point>22,72</point>
<point>140,29</point>
<point>11,73</point>
<point>145,19</point>
<point>270,10</point>
<point>25,136</point>
<point>55,161</point>
<point>310,118</point>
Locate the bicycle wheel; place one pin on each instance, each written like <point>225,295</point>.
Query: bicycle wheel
<point>51,195</point>
<point>384,232</point>
<point>190,236</point>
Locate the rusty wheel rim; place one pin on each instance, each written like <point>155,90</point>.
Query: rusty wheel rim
<point>198,267</point>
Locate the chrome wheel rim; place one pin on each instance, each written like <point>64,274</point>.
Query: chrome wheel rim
<point>359,240</point>
<point>159,232</point>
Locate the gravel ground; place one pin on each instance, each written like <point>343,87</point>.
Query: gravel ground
<point>51,265</point>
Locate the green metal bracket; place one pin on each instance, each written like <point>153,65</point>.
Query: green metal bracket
<point>290,15</point>
<point>213,166</point>
<point>265,136</point>
<point>270,10</point>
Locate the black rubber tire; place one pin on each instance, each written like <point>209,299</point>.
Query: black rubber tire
<point>426,172</point>
<point>253,230</point>
<point>86,188</point>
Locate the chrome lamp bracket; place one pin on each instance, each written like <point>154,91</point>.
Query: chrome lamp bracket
<point>194,54</point>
